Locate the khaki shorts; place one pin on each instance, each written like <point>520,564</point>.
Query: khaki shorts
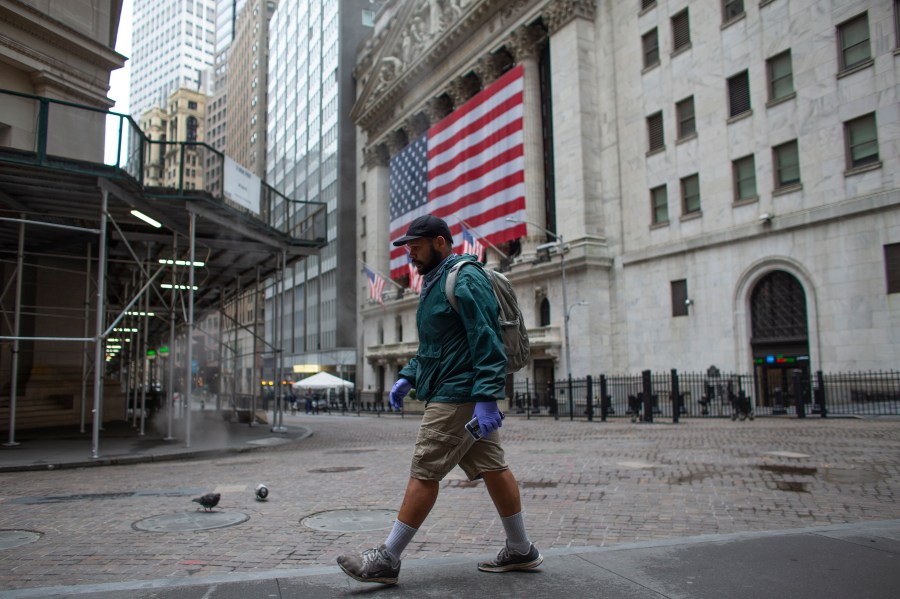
<point>444,442</point>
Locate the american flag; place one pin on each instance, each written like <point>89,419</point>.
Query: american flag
<point>470,245</point>
<point>470,165</point>
<point>415,279</point>
<point>376,286</point>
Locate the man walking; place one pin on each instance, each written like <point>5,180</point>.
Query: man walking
<point>459,371</point>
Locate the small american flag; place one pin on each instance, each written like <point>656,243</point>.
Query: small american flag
<point>415,279</point>
<point>471,245</point>
<point>376,286</point>
<point>470,165</point>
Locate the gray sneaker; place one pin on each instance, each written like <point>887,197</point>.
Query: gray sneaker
<point>372,565</point>
<point>507,560</point>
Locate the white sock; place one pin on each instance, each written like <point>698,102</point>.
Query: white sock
<point>516,537</point>
<point>400,536</point>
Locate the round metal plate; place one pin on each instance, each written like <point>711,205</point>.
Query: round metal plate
<point>350,520</point>
<point>10,539</point>
<point>188,521</point>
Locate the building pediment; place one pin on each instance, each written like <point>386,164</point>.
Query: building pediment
<point>418,36</point>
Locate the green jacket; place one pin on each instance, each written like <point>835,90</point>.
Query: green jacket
<point>460,356</point>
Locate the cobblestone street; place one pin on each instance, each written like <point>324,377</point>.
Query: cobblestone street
<point>583,484</point>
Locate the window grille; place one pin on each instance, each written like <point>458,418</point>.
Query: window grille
<point>892,267</point>
<point>679,297</point>
<point>738,94</point>
<point>681,31</point>
<point>650,44</point>
<point>778,308</point>
<point>655,132</point>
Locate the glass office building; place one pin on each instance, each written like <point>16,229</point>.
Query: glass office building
<point>310,155</point>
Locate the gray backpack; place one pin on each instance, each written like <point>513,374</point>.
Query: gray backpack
<point>512,325</point>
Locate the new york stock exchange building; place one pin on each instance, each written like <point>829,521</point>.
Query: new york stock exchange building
<point>668,184</point>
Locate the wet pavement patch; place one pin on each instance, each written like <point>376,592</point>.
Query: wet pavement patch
<point>366,450</point>
<point>350,520</point>
<point>780,469</point>
<point>851,476</point>
<point>335,469</point>
<point>42,499</point>
<point>10,539</point>
<point>190,521</point>
<point>537,484</point>
<point>791,485</point>
<point>461,484</point>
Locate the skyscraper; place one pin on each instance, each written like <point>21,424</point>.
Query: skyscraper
<point>311,156</point>
<point>174,41</point>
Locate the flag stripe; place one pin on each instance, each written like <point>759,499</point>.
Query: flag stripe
<point>471,167</point>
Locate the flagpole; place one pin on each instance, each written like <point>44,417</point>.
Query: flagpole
<point>471,228</point>
<point>388,279</point>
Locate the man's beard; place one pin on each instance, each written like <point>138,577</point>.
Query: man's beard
<point>425,267</point>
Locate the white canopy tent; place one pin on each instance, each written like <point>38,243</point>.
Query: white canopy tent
<point>323,380</point>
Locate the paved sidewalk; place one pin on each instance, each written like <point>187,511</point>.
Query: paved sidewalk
<point>120,443</point>
<point>857,560</point>
<point>706,508</point>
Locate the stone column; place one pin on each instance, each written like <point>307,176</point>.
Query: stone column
<point>576,130</point>
<point>488,69</point>
<point>525,45</point>
<point>376,207</point>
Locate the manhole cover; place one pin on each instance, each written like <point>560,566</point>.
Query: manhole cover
<point>10,539</point>
<point>188,521</point>
<point>334,469</point>
<point>350,520</point>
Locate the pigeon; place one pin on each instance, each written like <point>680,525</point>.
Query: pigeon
<point>208,501</point>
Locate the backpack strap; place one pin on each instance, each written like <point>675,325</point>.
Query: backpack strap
<point>450,283</point>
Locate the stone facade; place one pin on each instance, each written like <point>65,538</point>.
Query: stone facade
<point>828,230</point>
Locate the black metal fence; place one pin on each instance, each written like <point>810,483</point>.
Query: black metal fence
<point>673,395</point>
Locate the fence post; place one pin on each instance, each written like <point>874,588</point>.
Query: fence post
<point>571,400</point>
<point>676,398</point>
<point>590,398</point>
<point>798,394</point>
<point>648,396</point>
<point>604,405</point>
<point>820,393</point>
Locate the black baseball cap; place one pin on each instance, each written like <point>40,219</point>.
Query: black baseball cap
<point>425,226</point>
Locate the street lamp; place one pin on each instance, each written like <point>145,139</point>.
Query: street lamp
<point>562,272</point>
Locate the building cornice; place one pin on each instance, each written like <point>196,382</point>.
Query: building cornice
<point>36,23</point>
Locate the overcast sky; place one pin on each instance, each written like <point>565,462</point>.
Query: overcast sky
<point>118,83</point>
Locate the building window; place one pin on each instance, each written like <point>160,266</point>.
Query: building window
<point>655,132</point>
<point>738,94</point>
<point>681,31</point>
<point>744,178</point>
<point>192,105</point>
<point>645,4</point>
<point>853,40</point>
<point>687,125</point>
<point>861,139</point>
<point>679,297</point>
<point>362,226</point>
<point>786,159</point>
<point>781,76</point>
<point>368,18</point>
<point>732,9</point>
<point>892,267</point>
<point>897,23</point>
<point>192,125</point>
<point>690,195</point>
<point>650,44</point>
<point>545,312</point>
<point>659,205</point>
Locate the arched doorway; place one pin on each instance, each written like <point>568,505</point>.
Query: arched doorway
<point>779,338</point>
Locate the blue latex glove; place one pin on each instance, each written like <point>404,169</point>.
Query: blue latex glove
<point>489,416</point>
<point>398,392</point>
